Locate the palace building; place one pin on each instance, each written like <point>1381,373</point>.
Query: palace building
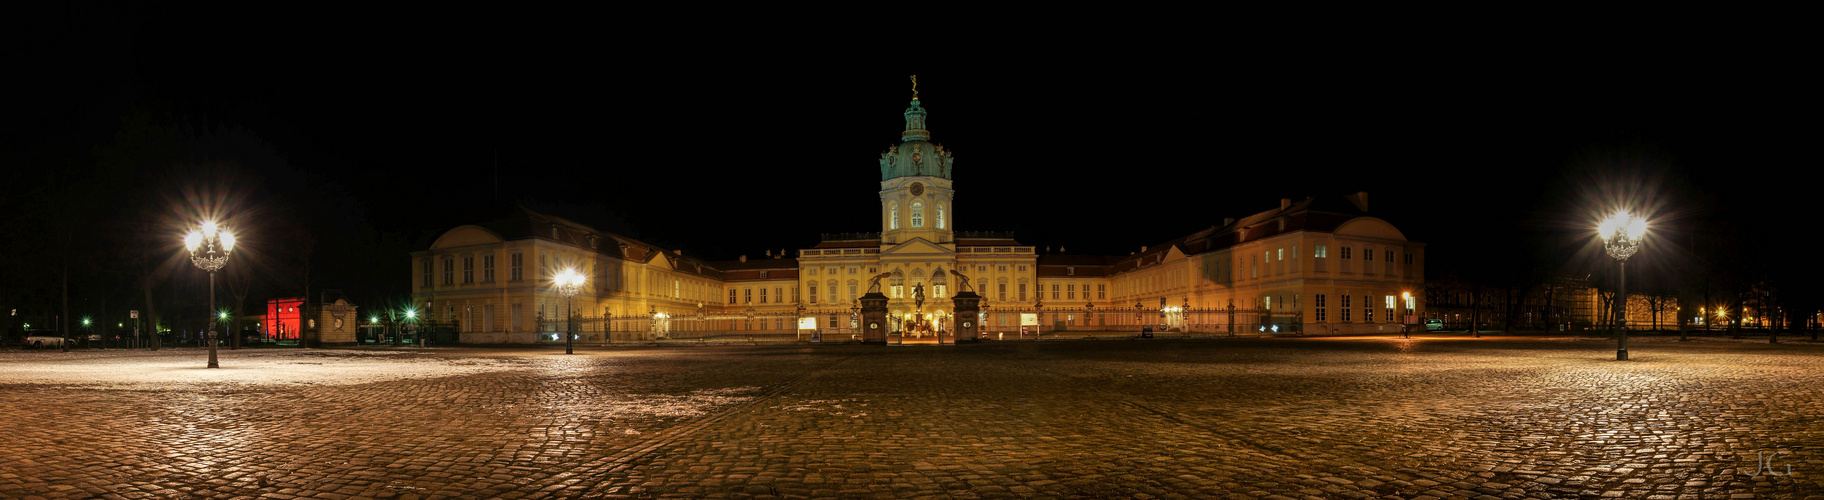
<point>1313,266</point>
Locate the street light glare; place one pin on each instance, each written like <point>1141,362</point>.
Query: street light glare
<point>209,228</point>
<point>227,241</point>
<point>193,240</point>
<point>1623,224</point>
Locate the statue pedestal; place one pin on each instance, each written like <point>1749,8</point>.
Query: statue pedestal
<point>968,317</point>
<point>874,318</point>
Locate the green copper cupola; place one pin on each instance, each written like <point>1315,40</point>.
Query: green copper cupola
<point>915,155</point>
<point>915,124</point>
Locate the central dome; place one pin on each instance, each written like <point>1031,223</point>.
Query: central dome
<point>917,155</point>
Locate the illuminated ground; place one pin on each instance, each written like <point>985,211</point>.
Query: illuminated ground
<point>1320,418</point>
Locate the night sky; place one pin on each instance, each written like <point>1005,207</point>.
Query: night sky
<point>737,145</point>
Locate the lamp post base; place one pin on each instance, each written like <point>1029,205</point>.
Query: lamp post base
<point>212,362</point>
<point>1621,354</point>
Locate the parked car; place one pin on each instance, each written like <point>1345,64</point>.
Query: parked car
<point>1434,324</point>
<point>37,340</point>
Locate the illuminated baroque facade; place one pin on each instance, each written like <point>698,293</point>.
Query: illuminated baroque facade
<point>1308,267</point>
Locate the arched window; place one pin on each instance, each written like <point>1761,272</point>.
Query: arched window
<point>940,216</point>
<point>939,282</point>
<point>918,214</point>
<point>893,215</point>
<point>897,282</point>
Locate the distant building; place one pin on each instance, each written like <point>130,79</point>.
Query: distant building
<point>1316,266</point>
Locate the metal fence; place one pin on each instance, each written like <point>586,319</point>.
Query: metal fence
<point>996,323</point>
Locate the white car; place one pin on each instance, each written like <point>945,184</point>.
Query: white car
<point>42,340</point>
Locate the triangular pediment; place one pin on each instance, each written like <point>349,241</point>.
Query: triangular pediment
<point>917,246</point>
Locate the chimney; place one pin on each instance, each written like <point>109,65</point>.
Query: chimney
<point>1228,221</point>
<point>1142,248</point>
<point>1360,199</point>
<point>678,251</point>
<point>1285,203</point>
<point>743,258</point>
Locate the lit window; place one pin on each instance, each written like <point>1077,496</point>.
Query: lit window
<point>893,215</point>
<point>1320,252</point>
<point>918,214</point>
<point>1282,254</point>
<point>940,216</point>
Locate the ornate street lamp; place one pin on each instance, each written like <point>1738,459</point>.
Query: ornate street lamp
<point>750,325</point>
<point>209,247</point>
<point>1621,234</point>
<point>568,283</point>
<point>799,319</point>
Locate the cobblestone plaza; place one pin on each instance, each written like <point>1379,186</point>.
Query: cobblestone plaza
<point>1360,417</point>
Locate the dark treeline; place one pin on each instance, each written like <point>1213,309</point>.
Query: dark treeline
<point>1708,251</point>
<point>109,220</point>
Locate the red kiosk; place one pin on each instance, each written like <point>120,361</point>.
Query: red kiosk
<point>284,318</point>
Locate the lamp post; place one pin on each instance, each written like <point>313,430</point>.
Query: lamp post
<point>1621,234</point>
<point>1038,311</point>
<point>569,282</point>
<point>750,325</point>
<point>799,319</point>
<point>209,247</point>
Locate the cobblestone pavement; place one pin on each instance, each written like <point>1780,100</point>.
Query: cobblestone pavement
<point>1370,417</point>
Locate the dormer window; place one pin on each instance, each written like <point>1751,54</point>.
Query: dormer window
<point>1072,271</point>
